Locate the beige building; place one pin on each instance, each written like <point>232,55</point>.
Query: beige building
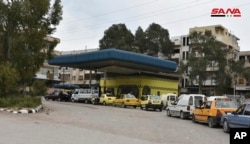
<point>182,50</point>
<point>243,86</point>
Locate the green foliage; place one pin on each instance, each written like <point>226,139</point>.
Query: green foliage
<point>157,40</point>
<point>24,25</point>
<point>117,36</point>
<point>20,102</point>
<point>140,40</point>
<point>206,52</point>
<point>39,88</point>
<point>153,41</point>
<point>8,79</point>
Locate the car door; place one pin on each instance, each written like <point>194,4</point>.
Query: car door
<point>102,98</point>
<point>205,113</point>
<point>120,99</point>
<point>244,119</point>
<point>237,118</point>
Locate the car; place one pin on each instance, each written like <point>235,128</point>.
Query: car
<point>211,111</point>
<point>237,119</point>
<point>107,99</point>
<point>124,100</point>
<point>59,96</point>
<point>151,102</point>
<point>168,98</point>
<point>84,94</point>
<point>183,107</point>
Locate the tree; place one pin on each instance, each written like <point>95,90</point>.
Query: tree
<point>140,40</point>
<point>206,52</point>
<point>117,36</point>
<point>236,69</point>
<point>157,41</point>
<point>24,26</point>
<point>8,79</point>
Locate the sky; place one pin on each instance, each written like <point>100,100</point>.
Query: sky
<point>85,21</point>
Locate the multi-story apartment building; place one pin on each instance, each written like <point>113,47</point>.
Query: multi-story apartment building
<point>243,86</point>
<point>182,50</point>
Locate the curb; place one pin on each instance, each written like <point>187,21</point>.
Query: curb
<point>26,111</point>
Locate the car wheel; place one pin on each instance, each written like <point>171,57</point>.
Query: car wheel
<point>141,107</point>
<point>160,109</point>
<point>86,101</point>
<point>104,103</point>
<point>193,119</point>
<point>182,115</point>
<point>168,113</point>
<point>210,122</point>
<point>146,107</point>
<point>59,99</point>
<point>114,105</point>
<point>135,107</point>
<point>46,99</point>
<point>72,100</point>
<point>226,128</point>
<point>123,105</point>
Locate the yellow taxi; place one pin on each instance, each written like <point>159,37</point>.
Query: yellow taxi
<point>151,101</point>
<point>124,100</point>
<point>212,110</point>
<point>107,99</point>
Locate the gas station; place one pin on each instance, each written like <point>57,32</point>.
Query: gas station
<point>123,68</point>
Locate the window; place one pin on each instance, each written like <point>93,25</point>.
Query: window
<point>80,77</point>
<point>208,105</point>
<point>241,81</point>
<point>247,111</point>
<point>183,55</point>
<point>187,53</point>
<point>183,41</point>
<point>240,110</point>
<point>190,102</point>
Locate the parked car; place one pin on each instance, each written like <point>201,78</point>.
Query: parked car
<point>185,105</point>
<point>237,119</point>
<point>151,102</point>
<point>125,100</point>
<point>167,99</point>
<point>107,99</point>
<point>84,94</point>
<point>212,110</point>
<point>59,96</point>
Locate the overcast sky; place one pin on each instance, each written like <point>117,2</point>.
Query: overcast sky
<point>84,21</point>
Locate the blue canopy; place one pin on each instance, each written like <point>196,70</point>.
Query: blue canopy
<point>114,57</point>
<point>66,86</point>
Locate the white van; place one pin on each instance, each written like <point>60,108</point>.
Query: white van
<point>167,99</point>
<point>185,105</point>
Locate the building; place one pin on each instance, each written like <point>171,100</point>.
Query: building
<point>182,50</point>
<point>243,86</point>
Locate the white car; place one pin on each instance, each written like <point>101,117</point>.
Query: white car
<point>185,105</point>
<point>85,95</point>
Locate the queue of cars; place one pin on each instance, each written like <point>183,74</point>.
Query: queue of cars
<point>214,110</point>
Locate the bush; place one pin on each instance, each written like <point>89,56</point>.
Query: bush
<point>20,102</point>
<point>39,88</point>
<point>8,79</point>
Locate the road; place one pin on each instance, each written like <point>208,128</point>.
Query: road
<point>78,123</point>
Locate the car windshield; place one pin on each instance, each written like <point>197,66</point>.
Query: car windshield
<point>130,96</point>
<point>225,104</point>
<point>154,97</point>
<point>172,98</point>
<point>110,95</point>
